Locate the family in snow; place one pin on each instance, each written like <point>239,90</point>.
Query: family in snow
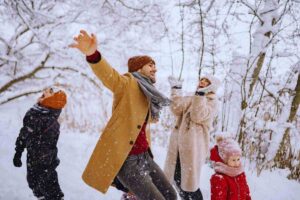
<point>122,157</point>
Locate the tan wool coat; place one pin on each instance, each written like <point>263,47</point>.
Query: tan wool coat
<point>190,138</point>
<point>130,107</point>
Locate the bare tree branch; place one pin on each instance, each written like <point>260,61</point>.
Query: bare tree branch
<point>254,11</point>
<point>20,95</point>
<point>181,9</point>
<point>284,11</point>
<point>202,39</point>
<point>26,76</point>
<point>132,8</point>
<point>74,70</point>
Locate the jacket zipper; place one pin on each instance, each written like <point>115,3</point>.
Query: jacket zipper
<point>238,188</point>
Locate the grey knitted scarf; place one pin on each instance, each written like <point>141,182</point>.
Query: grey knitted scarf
<point>157,100</point>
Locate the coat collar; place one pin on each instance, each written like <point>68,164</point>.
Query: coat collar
<point>46,111</point>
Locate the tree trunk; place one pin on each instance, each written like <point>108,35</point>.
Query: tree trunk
<point>284,155</point>
<point>256,72</point>
<point>254,78</point>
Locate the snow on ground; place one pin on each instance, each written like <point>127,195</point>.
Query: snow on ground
<point>74,152</point>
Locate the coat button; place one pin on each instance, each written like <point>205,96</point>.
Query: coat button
<point>131,142</point>
<point>139,126</point>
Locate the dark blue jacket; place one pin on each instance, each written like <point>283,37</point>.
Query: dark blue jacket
<point>39,135</point>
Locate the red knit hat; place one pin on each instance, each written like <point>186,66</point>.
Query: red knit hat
<point>56,101</point>
<point>137,62</point>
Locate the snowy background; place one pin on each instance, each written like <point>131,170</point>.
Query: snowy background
<point>251,46</point>
<point>75,149</point>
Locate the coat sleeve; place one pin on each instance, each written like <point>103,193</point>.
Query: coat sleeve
<point>29,126</point>
<point>202,109</point>
<point>109,76</point>
<point>218,187</point>
<point>248,196</point>
<point>178,102</point>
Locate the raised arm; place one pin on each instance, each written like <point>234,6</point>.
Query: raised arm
<point>203,108</point>
<point>102,69</point>
<point>178,103</point>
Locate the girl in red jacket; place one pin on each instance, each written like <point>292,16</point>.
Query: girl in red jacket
<point>229,182</point>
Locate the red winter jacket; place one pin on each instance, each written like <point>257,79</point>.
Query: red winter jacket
<point>224,187</point>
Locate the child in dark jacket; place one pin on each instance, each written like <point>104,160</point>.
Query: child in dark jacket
<point>229,182</point>
<point>39,135</point>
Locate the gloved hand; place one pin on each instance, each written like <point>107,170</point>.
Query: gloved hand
<point>203,91</point>
<point>174,82</point>
<point>17,159</point>
<point>55,162</point>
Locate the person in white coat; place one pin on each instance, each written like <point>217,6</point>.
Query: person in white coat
<point>189,141</point>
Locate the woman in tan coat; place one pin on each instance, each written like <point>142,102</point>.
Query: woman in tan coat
<point>189,141</point>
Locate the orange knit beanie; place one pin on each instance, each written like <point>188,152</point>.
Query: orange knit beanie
<point>56,101</point>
